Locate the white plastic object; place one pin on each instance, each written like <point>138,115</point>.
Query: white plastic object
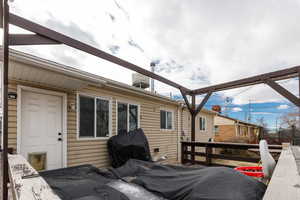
<point>268,162</point>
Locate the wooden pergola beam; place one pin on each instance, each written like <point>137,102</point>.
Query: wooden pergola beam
<point>284,92</point>
<point>183,93</point>
<point>63,39</point>
<point>253,80</point>
<point>30,39</point>
<point>203,102</point>
<point>1,16</point>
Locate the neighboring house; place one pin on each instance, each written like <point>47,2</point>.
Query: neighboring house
<point>228,129</point>
<point>204,125</point>
<point>60,116</point>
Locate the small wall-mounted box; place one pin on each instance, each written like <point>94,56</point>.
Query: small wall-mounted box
<point>12,95</point>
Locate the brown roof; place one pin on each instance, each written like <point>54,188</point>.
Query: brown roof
<point>239,121</point>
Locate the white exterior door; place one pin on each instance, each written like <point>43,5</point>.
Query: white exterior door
<point>41,127</point>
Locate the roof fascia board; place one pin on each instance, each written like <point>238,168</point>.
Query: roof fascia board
<point>85,76</point>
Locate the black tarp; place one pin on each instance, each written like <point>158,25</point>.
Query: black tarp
<point>125,146</point>
<point>86,182</point>
<point>83,182</point>
<point>151,181</point>
<point>186,183</point>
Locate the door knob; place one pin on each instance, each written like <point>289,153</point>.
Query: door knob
<point>59,139</point>
<point>59,133</point>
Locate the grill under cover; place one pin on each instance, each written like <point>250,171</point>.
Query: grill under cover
<point>125,146</point>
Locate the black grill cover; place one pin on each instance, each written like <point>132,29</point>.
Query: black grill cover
<point>83,182</point>
<point>185,183</point>
<point>125,146</point>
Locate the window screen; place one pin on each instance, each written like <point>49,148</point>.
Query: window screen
<point>166,121</point>
<point>133,117</point>
<point>87,116</point>
<point>169,120</point>
<point>122,117</point>
<point>162,119</point>
<point>202,123</point>
<point>102,118</point>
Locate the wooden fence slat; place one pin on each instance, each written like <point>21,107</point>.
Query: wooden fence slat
<point>208,151</point>
<point>209,155</point>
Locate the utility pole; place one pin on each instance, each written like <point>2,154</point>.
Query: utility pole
<point>276,124</point>
<point>227,102</point>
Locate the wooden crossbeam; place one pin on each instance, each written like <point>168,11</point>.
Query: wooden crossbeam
<point>1,14</point>
<point>203,102</point>
<point>30,39</point>
<point>183,93</point>
<point>284,92</point>
<point>63,39</point>
<point>254,80</point>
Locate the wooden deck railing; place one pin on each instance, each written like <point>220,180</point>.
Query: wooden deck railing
<point>189,152</point>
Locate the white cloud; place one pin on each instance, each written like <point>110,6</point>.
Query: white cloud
<point>215,41</point>
<point>283,106</point>
<point>237,109</point>
<point>261,113</point>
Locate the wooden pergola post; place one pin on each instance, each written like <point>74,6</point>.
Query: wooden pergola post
<point>193,126</point>
<point>299,98</point>
<point>5,52</point>
<point>194,111</point>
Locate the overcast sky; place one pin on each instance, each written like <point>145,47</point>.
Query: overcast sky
<point>196,43</point>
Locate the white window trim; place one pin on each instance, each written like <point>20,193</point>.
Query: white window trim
<point>128,103</point>
<point>172,113</point>
<point>240,132</point>
<point>236,129</point>
<point>109,99</point>
<point>205,123</point>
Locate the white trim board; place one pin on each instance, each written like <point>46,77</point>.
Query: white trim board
<point>21,88</point>
<point>128,102</point>
<point>205,123</point>
<point>109,99</point>
<point>172,111</point>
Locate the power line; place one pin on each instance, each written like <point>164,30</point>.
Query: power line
<point>253,106</point>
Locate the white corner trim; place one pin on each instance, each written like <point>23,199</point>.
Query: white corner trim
<point>21,88</point>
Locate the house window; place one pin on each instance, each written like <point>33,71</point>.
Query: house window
<point>166,119</point>
<point>216,129</point>
<point>202,123</point>
<point>243,131</point>
<point>93,117</point>
<point>128,117</point>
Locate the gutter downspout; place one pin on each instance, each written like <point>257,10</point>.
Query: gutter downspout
<point>178,130</point>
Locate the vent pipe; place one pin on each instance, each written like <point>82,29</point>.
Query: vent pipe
<point>152,65</point>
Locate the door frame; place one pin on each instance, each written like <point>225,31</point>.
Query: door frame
<point>21,88</point>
